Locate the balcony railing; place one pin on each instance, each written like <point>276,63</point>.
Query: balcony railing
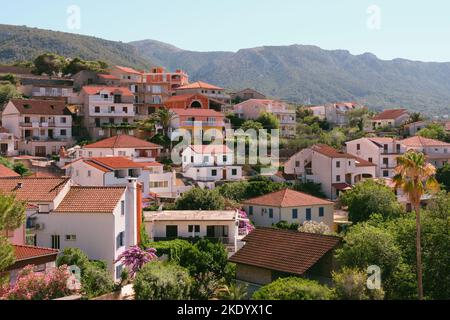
<point>223,240</point>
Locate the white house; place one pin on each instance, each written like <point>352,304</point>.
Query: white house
<point>393,118</point>
<point>42,126</point>
<point>121,146</point>
<point>290,206</point>
<point>437,152</point>
<point>336,171</point>
<point>101,221</point>
<point>209,164</point>
<point>9,144</point>
<point>212,225</point>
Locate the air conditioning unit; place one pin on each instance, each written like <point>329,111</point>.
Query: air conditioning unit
<point>40,226</point>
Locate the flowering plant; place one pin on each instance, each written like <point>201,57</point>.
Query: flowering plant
<point>32,285</point>
<point>245,223</point>
<point>135,258</point>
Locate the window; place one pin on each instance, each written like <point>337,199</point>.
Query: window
<point>120,241</point>
<point>97,110</point>
<point>125,109</point>
<point>338,178</point>
<point>297,164</point>
<point>385,173</point>
<point>271,213</point>
<point>294,213</point>
<point>206,159</point>
<point>56,242</point>
<point>89,173</point>
<point>214,173</point>
<point>358,147</point>
<point>234,172</point>
<point>250,210</point>
<point>122,208</point>
<point>63,120</point>
<point>370,160</point>
<point>63,132</point>
<point>338,164</point>
<point>71,237</point>
<point>321,211</point>
<point>194,229</point>
<point>90,154</point>
<point>119,271</point>
<point>27,120</point>
<point>308,214</point>
<point>225,159</point>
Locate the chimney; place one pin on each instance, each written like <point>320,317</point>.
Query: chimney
<point>131,216</point>
<point>19,186</point>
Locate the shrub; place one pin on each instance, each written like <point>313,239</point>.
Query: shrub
<point>96,281</point>
<point>162,281</point>
<point>351,284</point>
<point>293,289</point>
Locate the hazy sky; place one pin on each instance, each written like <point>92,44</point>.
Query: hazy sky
<point>418,30</point>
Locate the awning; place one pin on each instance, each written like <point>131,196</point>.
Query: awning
<point>342,186</point>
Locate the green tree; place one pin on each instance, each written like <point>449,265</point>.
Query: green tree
<point>251,124</point>
<point>162,281</point>
<point>200,199</point>
<point>76,65</point>
<point>314,189</point>
<point>293,289</point>
<point>17,167</point>
<point>268,121</point>
<point>164,117</point>
<point>433,131</point>
<point>234,291</point>
<point>49,63</point>
<point>12,217</point>
<point>370,197</point>
<point>443,176</point>
<point>416,177</point>
<point>8,92</point>
<point>351,284</point>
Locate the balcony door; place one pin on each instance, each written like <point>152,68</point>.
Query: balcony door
<point>171,232</point>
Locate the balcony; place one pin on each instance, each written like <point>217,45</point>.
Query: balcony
<point>38,124</point>
<point>204,123</point>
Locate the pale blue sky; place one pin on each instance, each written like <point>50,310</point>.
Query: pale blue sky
<point>418,31</point>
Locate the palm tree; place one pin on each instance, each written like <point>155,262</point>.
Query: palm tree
<point>164,117</point>
<point>233,292</point>
<point>416,177</point>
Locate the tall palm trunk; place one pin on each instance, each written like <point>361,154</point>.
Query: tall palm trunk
<point>418,252</point>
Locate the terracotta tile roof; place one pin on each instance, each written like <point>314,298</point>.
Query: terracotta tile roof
<point>7,172</point>
<point>128,70</point>
<point>29,252</point>
<point>115,162</point>
<point>390,114</point>
<point>380,141</point>
<point>284,251</point>
<point>331,152</point>
<point>418,141</point>
<point>198,112</point>
<point>211,149</point>
<point>45,107</point>
<point>122,141</point>
<point>94,90</point>
<point>200,85</point>
<point>108,76</point>
<point>91,200</point>
<point>33,189</point>
<point>287,198</point>
<point>183,97</point>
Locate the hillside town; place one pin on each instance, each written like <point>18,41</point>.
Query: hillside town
<point>98,178</point>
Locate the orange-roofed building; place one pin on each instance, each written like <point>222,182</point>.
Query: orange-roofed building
<point>335,170</point>
<point>7,172</point>
<point>187,101</point>
<point>199,121</point>
<point>107,110</point>
<point>437,152</point>
<point>393,118</point>
<point>211,91</point>
<point>290,206</point>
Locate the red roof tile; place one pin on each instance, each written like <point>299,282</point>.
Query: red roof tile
<point>200,85</point>
<point>7,172</point>
<point>115,162</point>
<point>331,152</point>
<point>128,70</point>
<point>418,141</point>
<point>390,114</point>
<point>29,252</point>
<point>91,200</point>
<point>108,76</point>
<point>95,90</point>
<point>287,198</point>
<point>45,107</point>
<point>33,189</point>
<point>122,141</point>
<point>285,251</point>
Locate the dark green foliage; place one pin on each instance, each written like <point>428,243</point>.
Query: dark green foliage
<point>76,65</point>
<point>314,189</point>
<point>287,226</point>
<point>50,64</point>
<point>257,186</point>
<point>368,198</point>
<point>200,199</point>
<point>8,91</point>
<point>293,289</point>
<point>162,281</point>
<point>443,176</point>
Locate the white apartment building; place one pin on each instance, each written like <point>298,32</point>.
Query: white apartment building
<point>437,152</point>
<point>42,126</point>
<point>101,221</point>
<point>9,144</point>
<point>107,110</point>
<point>336,171</point>
<point>209,164</point>
<point>252,109</point>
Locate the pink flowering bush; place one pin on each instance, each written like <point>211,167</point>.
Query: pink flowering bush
<point>246,225</point>
<point>32,285</point>
<point>135,258</point>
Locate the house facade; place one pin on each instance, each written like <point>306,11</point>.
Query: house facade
<point>337,113</point>
<point>101,221</point>
<point>211,91</point>
<point>107,110</point>
<point>199,121</point>
<point>336,171</point>
<point>209,164</point>
<point>9,144</point>
<point>252,109</point>
<point>393,118</point>
<point>289,206</point>
<point>42,127</point>
<point>437,152</point>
